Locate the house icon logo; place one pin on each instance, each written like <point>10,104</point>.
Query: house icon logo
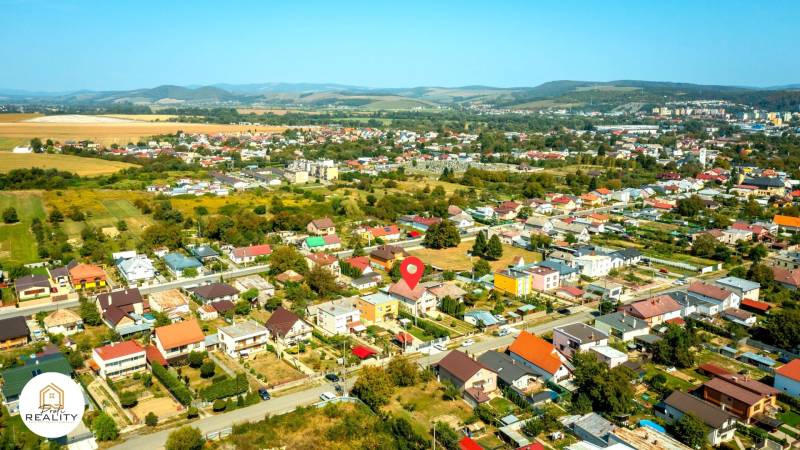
<point>51,404</point>
<point>51,397</point>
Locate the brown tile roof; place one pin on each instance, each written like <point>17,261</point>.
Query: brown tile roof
<point>325,222</point>
<point>709,290</point>
<point>784,276</point>
<point>461,366</point>
<point>13,328</point>
<point>401,289</point>
<point>709,413</point>
<point>388,252</point>
<point>180,334</point>
<point>281,321</point>
<point>653,307</point>
<point>732,390</point>
<point>214,290</point>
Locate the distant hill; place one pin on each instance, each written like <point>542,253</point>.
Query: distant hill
<point>560,94</point>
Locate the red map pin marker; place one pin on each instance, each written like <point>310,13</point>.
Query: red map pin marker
<point>412,269</point>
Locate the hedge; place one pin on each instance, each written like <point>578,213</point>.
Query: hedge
<point>227,388</point>
<point>173,384</point>
<point>758,434</point>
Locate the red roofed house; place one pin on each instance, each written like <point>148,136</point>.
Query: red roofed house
<point>119,359</point>
<point>654,310</point>
<point>467,443</point>
<point>243,255</point>
<point>360,263</point>
<point>787,378</point>
<point>418,301</point>
<point>743,399</point>
<point>321,227</point>
<point>755,306</point>
<point>787,278</point>
<point>387,233</point>
<point>540,356</point>
<point>385,256</point>
<point>570,293</point>
<point>325,260</point>
<point>715,294</point>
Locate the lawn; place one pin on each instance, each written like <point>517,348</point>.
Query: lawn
<point>17,243</point>
<point>457,259</point>
<point>82,166</point>
<point>707,356</point>
<point>276,371</point>
<point>790,418</point>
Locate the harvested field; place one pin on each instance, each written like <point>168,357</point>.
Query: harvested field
<point>142,117</point>
<point>82,166</point>
<point>18,117</point>
<point>122,132</point>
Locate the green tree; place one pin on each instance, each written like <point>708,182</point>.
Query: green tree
<point>56,216</point>
<point>494,249</point>
<point>151,419</point>
<point>690,430</point>
<point>122,225</point>
<point>185,438</point>
<point>442,235</point>
<point>374,387</point>
<point>481,267</point>
<point>321,281</point>
<point>128,399</point>
<point>196,359</point>
<point>89,313</point>
<point>190,272</point>
<point>479,247</point>
<point>704,245</point>
<point>104,427</point>
<point>285,258</point>
<point>446,436</point>
<point>689,207</point>
<point>402,372</point>
<point>608,390</point>
<point>761,273</point>
<point>208,369</point>
<point>10,215</point>
<point>674,348</point>
<point>450,391</point>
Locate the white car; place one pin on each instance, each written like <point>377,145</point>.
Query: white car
<point>504,332</point>
<point>440,347</point>
<point>468,342</point>
<point>327,396</point>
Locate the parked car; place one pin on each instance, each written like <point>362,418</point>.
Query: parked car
<point>503,332</point>
<point>264,393</point>
<point>564,311</point>
<point>332,377</point>
<point>325,396</point>
<point>468,342</point>
<point>339,389</point>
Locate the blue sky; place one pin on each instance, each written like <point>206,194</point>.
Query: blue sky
<point>68,45</point>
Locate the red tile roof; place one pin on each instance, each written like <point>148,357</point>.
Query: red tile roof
<point>180,334</point>
<point>358,262</point>
<point>537,351</point>
<point>154,356</point>
<point>402,289</point>
<point>363,352</point>
<point>709,290</point>
<point>653,307</point>
<point>468,444</point>
<point>118,350</point>
<point>785,276</point>
<point>755,305</point>
<point>252,251</point>
<point>791,370</point>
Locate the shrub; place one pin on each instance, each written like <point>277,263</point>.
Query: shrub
<point>227,388</point>
<point>128,399</point>
<point>192,413</point>
<point>173,384</point>
<point>207,369</point>
<point>151,419</point>
<point>219,405</point>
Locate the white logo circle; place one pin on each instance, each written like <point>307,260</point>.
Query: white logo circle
<point>51,404</point>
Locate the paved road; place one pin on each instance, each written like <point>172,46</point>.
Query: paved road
<point>35,309</point>
<point>278,405</point>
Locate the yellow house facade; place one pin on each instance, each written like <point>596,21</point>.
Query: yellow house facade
<point>378,307</point>
<point>513,282</point>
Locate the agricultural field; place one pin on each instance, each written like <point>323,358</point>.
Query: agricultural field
<point>142,117</point>
<point>87,167</point>
<point>457,259</point>
<point>103,208</point>
<point>18,117</point>
<point>115,132</point>
<point>17,244</point>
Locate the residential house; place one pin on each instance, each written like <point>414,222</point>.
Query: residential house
<point>31,287</point>
<point>63,321</point>
<point>418,222</point>
<point>321,227</point>
<point>622,326</point>
<point>605,290</point>
<point>789,279</point>
<point>60,275</point>
<point>509,371</point>
<point>14,332</point>
<point>378,307</point>
<point>203,252</point>
<point>570,293</point>
<point>361,264</point>
<point>594,265</point>
<point>171,302</point>
<point>384,233</point>
<point>578,230</point>
<point>462,221</point>
<point>247,255</point>
<point>242,339</point>
<point>119,359</point>
<point>15,378</point>
<point>591,428</point>
<point>287,328</point>
<point>539,224</point>
<point>739,317</point>
<point>339,317</point>
<point>481,318</point>
<point>323,243</point>
<point>87,276</point>
<point>743,398</point>
<point>207,312</point>
<point>446,289</point>
<point>214,292</point>
<point>721,425</point>
<point>177,263</point>
<point>418,301</point>
<point>264,288</point>
<point>540,356</point>
<point>714,294</point>
<point>385,256</point>
<point>470,376</point>
<point>787,378</point>
<point>741,287</point>
<point>136,269</point>
<point>324,260</point>
<point>577,337</point>
<point>177,340</point>
<point>121,309</point>
<point>566,273</point>
<point>788,223</point>
<point>654,310</point>
<point>629,256</point>
<point>366,282</point>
